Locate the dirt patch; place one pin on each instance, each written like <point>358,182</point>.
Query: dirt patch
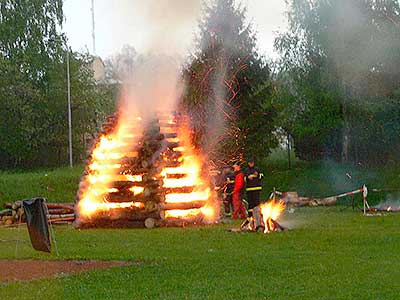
<point>11,270</point>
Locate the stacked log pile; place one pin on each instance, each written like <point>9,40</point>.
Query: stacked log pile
<point>13,213</point>
<point>135,195</point>
<point>174,156</point>
<point>133,180</point>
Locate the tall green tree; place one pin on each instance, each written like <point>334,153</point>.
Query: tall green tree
<point>33,87</point>
<point>339,64</point>
<point>228,90</point>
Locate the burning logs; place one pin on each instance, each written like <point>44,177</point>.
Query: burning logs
<point>129,188</point>
<point>265,217</point>
<point>136,188</point>
<point>182,205</point>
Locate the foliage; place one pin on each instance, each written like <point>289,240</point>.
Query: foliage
<point>340,65</point>
<point>33,87</point>
<point>228,89</point>
<point>121,65</point>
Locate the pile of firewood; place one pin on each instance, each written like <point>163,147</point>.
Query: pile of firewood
<point>13,213</point>
<point>293,199</point>
<point>139,169</point>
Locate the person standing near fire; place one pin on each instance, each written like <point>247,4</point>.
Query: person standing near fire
<point>237,196</point>
<point>253,185</point>
<point>228,191</point>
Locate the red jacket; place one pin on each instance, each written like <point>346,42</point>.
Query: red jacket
<point>239,183</point>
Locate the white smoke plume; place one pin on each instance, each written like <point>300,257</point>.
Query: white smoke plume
<point>155,82</point>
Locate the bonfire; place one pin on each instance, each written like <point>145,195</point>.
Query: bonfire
<point>265,217</point>
<point>145,172</point>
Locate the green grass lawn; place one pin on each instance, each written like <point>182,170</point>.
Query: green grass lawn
<point>57,185</point>
<point>328,178</point>
<point>327,254</point>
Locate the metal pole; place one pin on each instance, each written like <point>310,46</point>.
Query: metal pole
<point>93,30</point>
<point>69,112</point>
<point>365,194</point>
<point>288,150</point>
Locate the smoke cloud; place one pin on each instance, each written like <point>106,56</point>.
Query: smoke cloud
<point>155,82</point>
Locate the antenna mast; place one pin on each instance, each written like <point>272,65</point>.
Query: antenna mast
<point>93,30</point>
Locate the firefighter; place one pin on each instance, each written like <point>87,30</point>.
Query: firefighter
<point>237,196</point>
<point>253,185</point>
<point>228,190</point>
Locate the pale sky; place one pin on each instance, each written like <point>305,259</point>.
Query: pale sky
<point>136,22</point>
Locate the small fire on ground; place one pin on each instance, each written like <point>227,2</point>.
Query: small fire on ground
<point>145,172</point>
<point>265,217</point>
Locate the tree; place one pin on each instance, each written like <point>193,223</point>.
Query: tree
<point>33,87</point>
<point>228,87</point>
<point>121,65</point>
<point>340,56</point>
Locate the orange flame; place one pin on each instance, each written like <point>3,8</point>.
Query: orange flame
<point>102,171</point>
<point>190,177</point>
<point>271,211</point>
<point>183,182</point>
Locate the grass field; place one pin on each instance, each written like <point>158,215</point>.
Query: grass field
<point>327,254</point>
<point>57,185</point>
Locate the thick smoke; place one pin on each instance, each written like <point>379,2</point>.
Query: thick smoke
<point>154,86</point>
<point>155,82</point>
<point>392,202</point>
<point>170,24</point>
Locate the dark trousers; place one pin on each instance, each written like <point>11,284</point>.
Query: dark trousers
<point>253,198</point>
<point>228,204</point>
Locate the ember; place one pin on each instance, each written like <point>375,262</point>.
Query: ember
<point>144,173</point>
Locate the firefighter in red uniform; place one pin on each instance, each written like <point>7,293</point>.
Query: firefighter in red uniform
<point>238,207</point>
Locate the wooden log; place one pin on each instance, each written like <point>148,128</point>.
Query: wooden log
<point>115,197</point>
<point>327,201</point>
<point>176,176</point>
<point>5,212</point>
<point>126,185</point>
<point>16,205</point>
<point>8,222</point>
<point>172,145</point>
<point>170,135</point>
<point>62,220</point>
<point>178,190</point>
<point>119,215</point>
<point>67,206</point>
<point>60,211</point>
<point>7,205</point>
<point>61,216</point>
<point>149,223</point>
<point>153,137</point>
<point>168,125</point>
<point>172,164</point>
<point>185,205</point>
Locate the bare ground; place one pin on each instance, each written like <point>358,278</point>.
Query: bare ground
<point>12,270</point>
